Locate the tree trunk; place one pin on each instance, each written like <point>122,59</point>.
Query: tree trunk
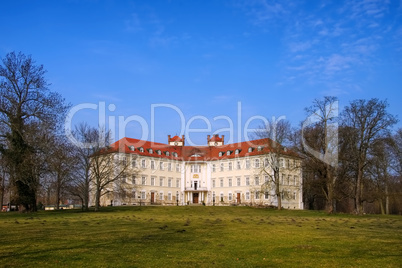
<point>386,198</point>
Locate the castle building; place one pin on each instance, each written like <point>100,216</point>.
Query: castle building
<point>216,174</point>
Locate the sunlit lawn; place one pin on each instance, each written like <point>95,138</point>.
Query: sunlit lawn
<point>197,236</point>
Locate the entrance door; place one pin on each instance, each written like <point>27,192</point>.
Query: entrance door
<point>152,197</point>
<point>238,198</point>
<point>195,198</point>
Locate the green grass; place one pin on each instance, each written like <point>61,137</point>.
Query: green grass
<point>197,236</point>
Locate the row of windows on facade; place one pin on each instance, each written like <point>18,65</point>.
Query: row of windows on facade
<point>167,153</point>
<point>151,151</point>
<point>195,168</point>
<point>231,197</point>
<point>285,180</point>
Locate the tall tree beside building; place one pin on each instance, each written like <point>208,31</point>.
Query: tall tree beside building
<point>365,122</point>
<point>320,146</point>
<point>25,100</point>
<point>276,134</point>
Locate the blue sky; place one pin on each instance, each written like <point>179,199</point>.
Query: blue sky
<point>207,58</point>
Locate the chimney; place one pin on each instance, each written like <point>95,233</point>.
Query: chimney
<point>168,138</point>
<point>208,138</point>
<point>223,139</point>
<point>182,137</point>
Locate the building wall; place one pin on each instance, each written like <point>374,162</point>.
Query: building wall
<point>240,181</point>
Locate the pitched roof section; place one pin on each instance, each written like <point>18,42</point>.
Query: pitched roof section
<point>197,153</point>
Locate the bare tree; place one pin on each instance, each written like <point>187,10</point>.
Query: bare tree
<point>320,146</point>
<point>24,100</point>
<point>107,168</point>
<point>366,121</point>
<point>61,162</point>
<point>274,135</point>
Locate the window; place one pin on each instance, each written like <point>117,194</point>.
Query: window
<point>250,149</point>
<point>161,165</point>
<point>220,153</point>
<point>257,181</point>
<point>287,163</point>
<point>195,168</point>
<point>213,196</point>
<point>141,149</point>
<point>143,163</point>
<point>257,163</point>
<point>161,181</point>
<point>247,181</point>
<point>228,152</point>
<point>170,196</point>
<point>237,151</point>
<point>221,182</point>
<point>257,194</point>
<point>230,196</point>
<point>213,167</point>
<point>177,168</point>
<point>247,163</point>
<point>230,182</point>
<point>124,179</point>
<point>124,160</point>
<point>259,148</point>
<point>170,166</point>
<point>150,151</point>
<point>266,162</point>
<point>144,180</point>
<point>222,166</point>
<point>132,148</point>
<point>283,179</point>
<point>238,181</point>
<point>170,182</point>
<point>143,195</point>
<point>177,183</point>
<point>161,195</point>
<point>167,153</point>
<point>238,164</point>
<point>230,166</point>
<point>221,197</point>
<point>213,183</point>
<point>281,163</point>
<point>295,180</point>
<point>152,164</point>
<point>133,163</point>
<point>294,195</point>
<point>289,179</point>
<point>266,180</point>
<point>133,179</point>
<point>177,195</point>
<point>247,195</point>
<point>266,195</point>
<point>152,181</point>
<point>159,152</point>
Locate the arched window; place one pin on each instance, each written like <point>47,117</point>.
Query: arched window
<point>150,151</point>
<point>250,149</point>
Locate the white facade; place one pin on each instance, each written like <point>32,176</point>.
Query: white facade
<point>211,176</point>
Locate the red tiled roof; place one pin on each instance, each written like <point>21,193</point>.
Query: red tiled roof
<point>197,153</point>
<point>176,138</point>
<point>215,138</point>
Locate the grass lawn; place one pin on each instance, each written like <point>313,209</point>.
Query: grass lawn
<point>197,236</point>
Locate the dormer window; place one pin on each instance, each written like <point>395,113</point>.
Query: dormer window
<point>141,149</point>
<point>167,153</point>
<point>174,154</point>
<point>132,148</point>
<point>220,153</point>
<point>237,151</point>
<point>228,152</point>
<point>250,149</point>
<point>159,152</point>
<point>259,148</point>
<point>150,151</point>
